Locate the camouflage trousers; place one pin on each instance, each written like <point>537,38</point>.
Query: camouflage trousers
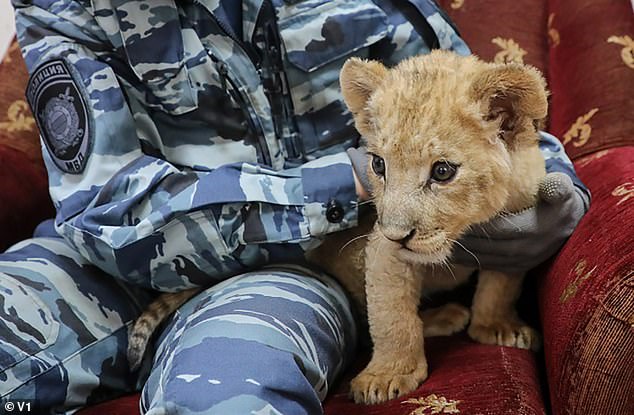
<point>263,342</point>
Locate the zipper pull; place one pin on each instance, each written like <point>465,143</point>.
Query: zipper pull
<point>223,71</point>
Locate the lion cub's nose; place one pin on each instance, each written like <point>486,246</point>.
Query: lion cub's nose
<point>398,235</point>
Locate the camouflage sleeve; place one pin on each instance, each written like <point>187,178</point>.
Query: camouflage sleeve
<point>557,161</point>
<point>136,216</point>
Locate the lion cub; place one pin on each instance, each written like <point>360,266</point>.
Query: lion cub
<point>453,142</point>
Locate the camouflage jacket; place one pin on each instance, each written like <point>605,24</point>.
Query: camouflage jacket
<point>180,151</point>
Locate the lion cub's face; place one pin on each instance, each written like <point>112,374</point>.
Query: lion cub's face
<point>453,143</point>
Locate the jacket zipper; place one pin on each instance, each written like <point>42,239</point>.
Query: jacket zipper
<point>234,91</point>
<point>276,84</point>
<point>253,57</point>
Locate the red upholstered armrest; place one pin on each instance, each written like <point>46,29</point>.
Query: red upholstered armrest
<point>587,297</point>
<point>24,199</point>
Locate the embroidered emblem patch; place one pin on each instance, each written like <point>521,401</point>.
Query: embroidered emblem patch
<point>61,115</point>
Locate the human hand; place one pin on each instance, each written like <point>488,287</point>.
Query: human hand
<point>361,192</point>
<point>359,158</point>
<point>518,242</point>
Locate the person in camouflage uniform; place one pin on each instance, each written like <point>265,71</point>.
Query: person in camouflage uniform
<point>206,143</point>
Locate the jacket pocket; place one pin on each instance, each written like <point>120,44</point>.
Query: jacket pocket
<point>314,37</point>
<point>318,37</point>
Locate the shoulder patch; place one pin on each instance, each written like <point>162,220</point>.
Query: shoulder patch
<point>61,115</point>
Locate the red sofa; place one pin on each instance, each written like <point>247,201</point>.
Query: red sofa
<point>583,298</point>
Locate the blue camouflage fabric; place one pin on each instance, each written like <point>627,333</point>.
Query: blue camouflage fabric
<point>558,161</point>
<point>203,172</point>
<point>279,338</point>
<point>270,341</point>
<point>63,329</point>
<point>181,152</point>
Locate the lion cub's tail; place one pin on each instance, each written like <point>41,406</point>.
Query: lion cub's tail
<point>145,325</point>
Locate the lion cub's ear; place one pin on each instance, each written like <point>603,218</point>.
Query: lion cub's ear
<point>513,94</point>
<point>359,79</point>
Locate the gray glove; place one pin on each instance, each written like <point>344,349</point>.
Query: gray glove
<point>518,242</point>
<point>359,158</point>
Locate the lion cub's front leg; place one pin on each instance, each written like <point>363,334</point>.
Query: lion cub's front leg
<point>398,362</point>
<point>494,319</point>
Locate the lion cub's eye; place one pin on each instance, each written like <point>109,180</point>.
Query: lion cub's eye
<point>378,165</point>
<point>443,171</point>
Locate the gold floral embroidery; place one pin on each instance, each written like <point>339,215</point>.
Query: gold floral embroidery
<point>7,56</point>
<point>456,4</point>
<point>572,288</point>
<point>18,118</point>
<point>511,51</point>
<point>579,132</point>
<point>436,405</point>
<point>626,190</point>
<point>627,53</point>
<point>595,156</point>
<point>553,34</point>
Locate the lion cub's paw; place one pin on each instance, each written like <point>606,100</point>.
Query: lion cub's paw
<point>445,320</point>
<point>372,387</point>
<point>506,333</point>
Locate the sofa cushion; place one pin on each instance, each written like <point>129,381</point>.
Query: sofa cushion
<point>17,126</point>
<point>587,297</point>
<point>591,72</point>
<point>464,376</point>
<point>127,405</point>
<point>585,49</point>
<point>503,31</point>
<point>24,199</point>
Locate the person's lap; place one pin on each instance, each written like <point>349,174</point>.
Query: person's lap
<point>273,337</point>
<point>271,341</point>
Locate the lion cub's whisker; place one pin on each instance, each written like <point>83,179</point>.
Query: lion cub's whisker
<point>352,240</point>
<point>483,230</point>
<point>365,202</point>
<point>468,251</point>
<point>519,228</point>
<point>446,264</point>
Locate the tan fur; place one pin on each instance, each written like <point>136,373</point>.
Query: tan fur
<point>437,107</point>
<point>147,323</point>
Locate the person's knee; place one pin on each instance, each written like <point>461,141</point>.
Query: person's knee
<point>269,340</point>
<point>64,326</point>
<point>234,376</point>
